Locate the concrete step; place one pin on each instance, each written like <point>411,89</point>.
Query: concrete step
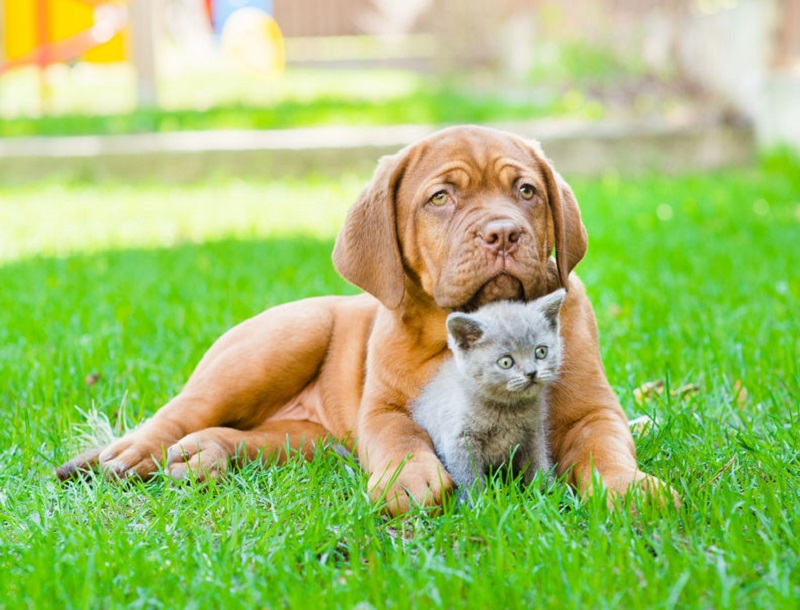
<point>576,147</point>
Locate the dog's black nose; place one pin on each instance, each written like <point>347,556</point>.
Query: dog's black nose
<point>501,236</point>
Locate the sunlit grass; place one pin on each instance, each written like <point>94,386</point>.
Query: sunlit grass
<point>59,219</point>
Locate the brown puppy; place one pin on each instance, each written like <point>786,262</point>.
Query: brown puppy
<point>465,216</point>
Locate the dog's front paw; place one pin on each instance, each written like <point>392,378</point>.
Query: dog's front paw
<point>422,480</point>
<point>651,489</point>
<point>659,492</point>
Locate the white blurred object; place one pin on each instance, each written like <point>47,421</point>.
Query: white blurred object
<point>641,424</point>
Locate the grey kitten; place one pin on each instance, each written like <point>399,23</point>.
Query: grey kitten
<point>489,402</point>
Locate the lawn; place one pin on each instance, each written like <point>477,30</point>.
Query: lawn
<point>110,293</point>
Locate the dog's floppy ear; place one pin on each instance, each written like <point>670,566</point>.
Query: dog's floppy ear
<point>570,234</point>
<point>367,251</point>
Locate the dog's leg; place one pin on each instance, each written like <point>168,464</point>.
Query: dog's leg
<point>601,445</point>
<point>403,468</point>
<point>208,453</point>
<point>397,452</point>
<point>246,376</point>
<point>588,429</point>
<point>400,459</point>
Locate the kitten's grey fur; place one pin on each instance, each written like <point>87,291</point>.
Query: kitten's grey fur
<point>489,401</point>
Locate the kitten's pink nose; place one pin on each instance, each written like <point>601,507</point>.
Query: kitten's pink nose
<point>500,236</point>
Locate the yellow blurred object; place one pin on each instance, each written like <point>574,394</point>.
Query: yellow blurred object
<point>97,30</point>
<point>253,41</point>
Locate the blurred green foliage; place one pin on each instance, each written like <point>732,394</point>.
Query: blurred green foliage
<point>433,106</point>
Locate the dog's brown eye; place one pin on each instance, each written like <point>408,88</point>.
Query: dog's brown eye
<point>439,198</point>
<point>527,192</point>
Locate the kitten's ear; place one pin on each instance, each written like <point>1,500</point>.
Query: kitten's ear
<point>550,306</point>
<point>464,330</point>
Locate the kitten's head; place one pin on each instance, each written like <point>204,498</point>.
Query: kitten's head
<point>508,350</point>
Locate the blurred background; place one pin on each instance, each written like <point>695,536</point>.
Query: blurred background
<point>723,72</point>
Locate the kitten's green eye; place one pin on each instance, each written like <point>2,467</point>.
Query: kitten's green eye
<point>540,352</point>
<point>506,362</point>
<point>439,198</point>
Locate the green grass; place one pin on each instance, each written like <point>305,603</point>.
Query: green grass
<point>423,107</point>
<point>694,280</point>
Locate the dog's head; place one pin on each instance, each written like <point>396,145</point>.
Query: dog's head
<point>465,216</point>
